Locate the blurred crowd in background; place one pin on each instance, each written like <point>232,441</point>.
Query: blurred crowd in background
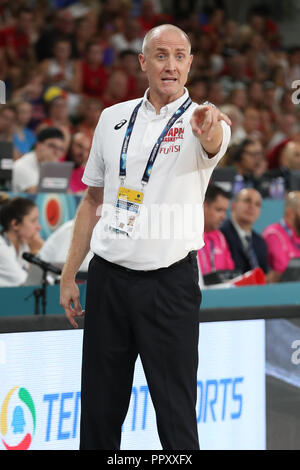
<point>64,61</point>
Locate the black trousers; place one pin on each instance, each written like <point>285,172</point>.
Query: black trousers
<point>154,314</point>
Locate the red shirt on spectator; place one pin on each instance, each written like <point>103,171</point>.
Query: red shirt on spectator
<point>94,81</point>
<point>10,37</point>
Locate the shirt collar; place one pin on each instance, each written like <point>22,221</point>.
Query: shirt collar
<point>242,234</point>
<point>169,108</point>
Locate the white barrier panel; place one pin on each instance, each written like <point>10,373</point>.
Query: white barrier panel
<point>40,390</point>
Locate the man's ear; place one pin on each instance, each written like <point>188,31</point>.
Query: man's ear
<point>142,62</point>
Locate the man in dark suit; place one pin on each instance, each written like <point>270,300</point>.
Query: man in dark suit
<point>248,248</point>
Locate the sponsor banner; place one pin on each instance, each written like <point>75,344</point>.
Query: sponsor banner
<point>40,391</point>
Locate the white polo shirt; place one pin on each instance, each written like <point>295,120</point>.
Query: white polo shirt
<point>13,268</point>
<point>26,172</point>
<point>171,220</point>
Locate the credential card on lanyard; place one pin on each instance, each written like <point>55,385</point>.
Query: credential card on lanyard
<point>127,208</point>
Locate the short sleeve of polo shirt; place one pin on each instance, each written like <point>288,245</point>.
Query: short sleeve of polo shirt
<point>94,170</point>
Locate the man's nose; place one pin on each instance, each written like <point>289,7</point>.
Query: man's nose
<point>171,64</point>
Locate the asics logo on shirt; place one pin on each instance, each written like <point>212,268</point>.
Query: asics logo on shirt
<point>120,124</point>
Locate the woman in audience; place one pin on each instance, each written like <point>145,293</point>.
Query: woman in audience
<point>23,137</point>
<point>19,220</point>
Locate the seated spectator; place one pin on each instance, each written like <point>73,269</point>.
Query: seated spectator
<point>84,32</point>
<point>93,74</point>
<point>7,122</point>
<point>128,62</point>
<point>276,181</point>
<point>19,218</point>
<point>15,39</point>
<point>215,255</point>
<point>248,248</point>
<point>23,138</point>
<point>130,38</point>
<point>236,117</point>
<point>283,238</point>
<point>32,92</point>
<point>89,114</point>
<point>78,153</point>
<point>117,89</point>
<point>26,170</point>
<point>251,123</point>
<point>63,25</point>
<point>62,71</point>
<point>246,159</point>
<point>57,113</point>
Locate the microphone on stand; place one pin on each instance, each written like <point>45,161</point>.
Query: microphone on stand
<point>41,264</point>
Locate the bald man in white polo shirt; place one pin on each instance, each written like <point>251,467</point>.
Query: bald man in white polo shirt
<point>142,217</point>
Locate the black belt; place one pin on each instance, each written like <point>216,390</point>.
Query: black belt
<point>190,256</point>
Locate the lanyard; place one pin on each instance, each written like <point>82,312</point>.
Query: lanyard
<point>154,152</point>
<point>289,233</point>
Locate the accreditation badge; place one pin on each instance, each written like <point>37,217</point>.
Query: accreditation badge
<point>126,210</point>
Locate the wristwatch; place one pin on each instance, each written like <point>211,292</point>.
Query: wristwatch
<point>208,103</point>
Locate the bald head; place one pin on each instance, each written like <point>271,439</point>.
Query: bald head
<point>290,156</point>
<point>292,210</point>
<point>292,200</point>
<point>246,207</point>
<point>157,30</point>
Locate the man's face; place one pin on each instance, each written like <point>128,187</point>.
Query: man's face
<point>251,157</point>
<point>293,156</point>
<point>167,62</point>
<point>50,150</point>
<point>80,149</point>
<point>215,213</point>
<point>248,207</point>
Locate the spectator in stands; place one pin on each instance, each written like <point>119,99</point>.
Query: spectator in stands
<point>64,25</point>
<point>62,71</point>
<point>7,122</point>
<point>32,92</point>
<point>89,114</point>
<point>26,170</point>
<point>23,138</point>
<point>93,75</point>
<point>251,123</point>
<point>117,89</point>
<point>215,255</point>
<point>198,89</point>
<point>84,32</point>
<point>246,159</point>
<point>19,218</point>
<point>248,248</point>
<point>287,125</point>
<point>236,117</point>
<point>15,38</point>
<point>57,113</point>
<point>276,181</point>
<point>128,62</point>
<point>78,153</point>
<point>283,238</point>
<point>130,38</point>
